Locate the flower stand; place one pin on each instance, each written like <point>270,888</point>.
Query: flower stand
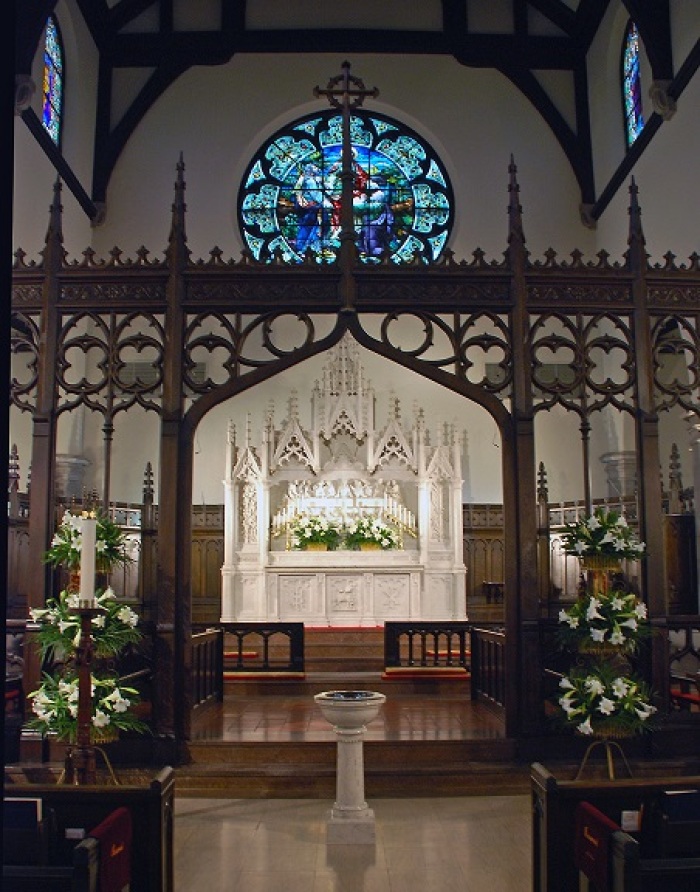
<point>610,747</point>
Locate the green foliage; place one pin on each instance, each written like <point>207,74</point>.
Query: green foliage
<point>370,529</point>
<point>313,529</point>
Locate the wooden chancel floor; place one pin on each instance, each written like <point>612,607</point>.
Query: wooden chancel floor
<point>430,738</point>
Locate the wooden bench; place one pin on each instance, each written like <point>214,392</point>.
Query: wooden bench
<point>29,846</point>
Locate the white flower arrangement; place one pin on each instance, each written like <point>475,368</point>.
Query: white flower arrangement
<point>55,706</point>
<point>59,625</point>
<point>604,533</point>
<point>598,701</point>
<point>67,543</point>
<point>370,530</point>
<point>309,529</point>
<point>613,619</point>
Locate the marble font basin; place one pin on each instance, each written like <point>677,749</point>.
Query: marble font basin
<point>350,709</point>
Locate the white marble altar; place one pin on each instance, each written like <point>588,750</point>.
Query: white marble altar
<point>343,465</point>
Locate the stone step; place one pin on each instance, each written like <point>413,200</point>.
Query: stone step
<point>392,769</point>
<point>424,682</point>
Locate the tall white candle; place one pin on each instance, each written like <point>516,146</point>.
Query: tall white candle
<point>88,553</point>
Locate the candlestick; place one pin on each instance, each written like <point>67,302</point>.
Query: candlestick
<point>88,552</point>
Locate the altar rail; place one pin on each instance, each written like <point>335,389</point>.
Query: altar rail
<point>278,647</point>
<point>425,644</point>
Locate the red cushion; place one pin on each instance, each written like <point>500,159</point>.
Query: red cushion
<point>114,837</point>
<point>591,846</point>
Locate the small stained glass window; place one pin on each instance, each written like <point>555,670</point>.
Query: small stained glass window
<point>289,202</point>
<point>632,85</point>
<point>53,81</point>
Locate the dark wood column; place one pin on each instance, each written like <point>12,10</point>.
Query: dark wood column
<point>171,613</point>
<point>42,497</point>
<point>650,506</point>
<point>519,496</point>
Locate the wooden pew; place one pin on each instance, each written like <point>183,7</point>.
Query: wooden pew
<point>613,859</point>
<point>554,802</point>
<point>78,809</point>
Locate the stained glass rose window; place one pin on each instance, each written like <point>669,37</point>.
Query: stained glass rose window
<point>289,200</point>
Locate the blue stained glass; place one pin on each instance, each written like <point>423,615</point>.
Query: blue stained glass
<point>632,85</point>
<point>289,202</point>
<point>52,107</point>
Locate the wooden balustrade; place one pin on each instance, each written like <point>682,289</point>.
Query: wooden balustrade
<point>265,647</point>
<point>426,644</point>
<point>207,667</point>
<point>488,662</point>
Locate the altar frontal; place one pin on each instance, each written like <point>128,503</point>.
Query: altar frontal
<point>344,521</point>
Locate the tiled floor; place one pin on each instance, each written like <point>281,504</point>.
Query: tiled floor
<point>475,844</point>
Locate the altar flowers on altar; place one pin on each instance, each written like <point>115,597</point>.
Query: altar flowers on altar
<point>370,531</point>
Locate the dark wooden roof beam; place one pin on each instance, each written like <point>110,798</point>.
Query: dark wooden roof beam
<point>558,13</point>
<point>653,21</point>
<point>215,48</point>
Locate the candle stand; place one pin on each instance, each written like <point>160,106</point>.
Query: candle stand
<point>79,767</point>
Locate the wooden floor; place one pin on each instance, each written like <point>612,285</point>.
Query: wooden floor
<point>430,739</point>
<point>423,711</point>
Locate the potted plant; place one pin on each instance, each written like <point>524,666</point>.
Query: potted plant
<point>315,533</point>
<point>370,533</point>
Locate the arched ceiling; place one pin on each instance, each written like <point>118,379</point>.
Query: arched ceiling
<point>521,38</point>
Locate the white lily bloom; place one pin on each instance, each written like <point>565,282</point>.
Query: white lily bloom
<point>100,719</point>
<point>620,687</point>
<point>594,685</point>
<point>592,611</point>
<point>586,727</point>
<point>606,706</point>
<point>598,635</point>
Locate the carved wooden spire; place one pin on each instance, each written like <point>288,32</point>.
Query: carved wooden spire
<point>636,253</point>
<point>177,251</point>
<point>516,234</point>
<point>54,253</point>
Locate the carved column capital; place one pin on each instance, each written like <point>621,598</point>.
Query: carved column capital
<point>24,92</point>
<point>662,103</point>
